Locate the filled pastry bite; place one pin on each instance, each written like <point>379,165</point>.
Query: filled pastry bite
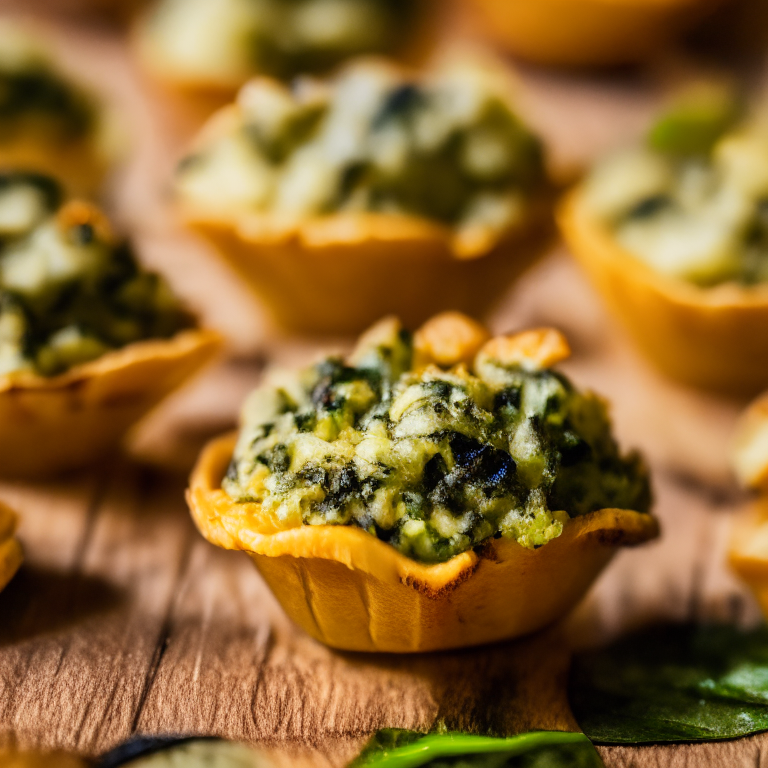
<point>423,471</point>
<point>49,123</point>
<point>390,191</point>
<point>216,45</point>
<point>674,233</point>
<point>587,33</point>
<point>11,555</point>
<point>89,341</point>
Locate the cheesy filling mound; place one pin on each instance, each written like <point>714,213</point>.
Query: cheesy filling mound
<point>431,460</point>
<point>693,201</point>
<point>69,292</point>
<point>229,40</point>
<point>448,148</point>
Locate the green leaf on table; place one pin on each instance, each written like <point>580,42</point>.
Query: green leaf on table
<point>673,684</point>
<point>392,748</point>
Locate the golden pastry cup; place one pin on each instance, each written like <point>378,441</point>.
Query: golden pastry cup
<point>586,32</point>
<point>713,338</point>
<point>10,550</point>
<point>352,591</point>
<point>48,425</point>
<point>338,274</point>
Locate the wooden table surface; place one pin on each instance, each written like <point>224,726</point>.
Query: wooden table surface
<point>124,621</point>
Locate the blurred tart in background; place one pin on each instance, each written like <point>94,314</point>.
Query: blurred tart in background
<point>50,124</point>
<point>89,341</point>
<point>674,235</point>
<point>587,32</point>
<point>215,46</point>
<point>748,553</point>
<point>10,549</point>
<point>376,192</point>
<point>446,488</point>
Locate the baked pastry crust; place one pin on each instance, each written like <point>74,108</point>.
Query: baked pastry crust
<point>340,273</point>
<point>48,425</point>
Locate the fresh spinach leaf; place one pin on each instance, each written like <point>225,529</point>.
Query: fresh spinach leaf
<point>393,748</point>
<point>673,684</point>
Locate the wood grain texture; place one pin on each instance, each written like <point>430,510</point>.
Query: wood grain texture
<point>103,612</point>
<point>283,686</point>
<point>124,621</point>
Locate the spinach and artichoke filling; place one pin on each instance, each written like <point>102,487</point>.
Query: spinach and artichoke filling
<point>432,460</point>
<point>226,41</point>
<point>693,201</point>
<point>448,147</point>
<point>70,292</point>
<point>37,102</point>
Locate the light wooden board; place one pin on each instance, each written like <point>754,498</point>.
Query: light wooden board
<point>125,621</point>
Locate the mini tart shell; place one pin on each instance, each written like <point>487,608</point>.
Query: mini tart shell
<point>352,591</point>
<point>10,550</point>
<point>586,32</point>
<point>51,425</point>
<point>341,273</point>
<point>712,338</point>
